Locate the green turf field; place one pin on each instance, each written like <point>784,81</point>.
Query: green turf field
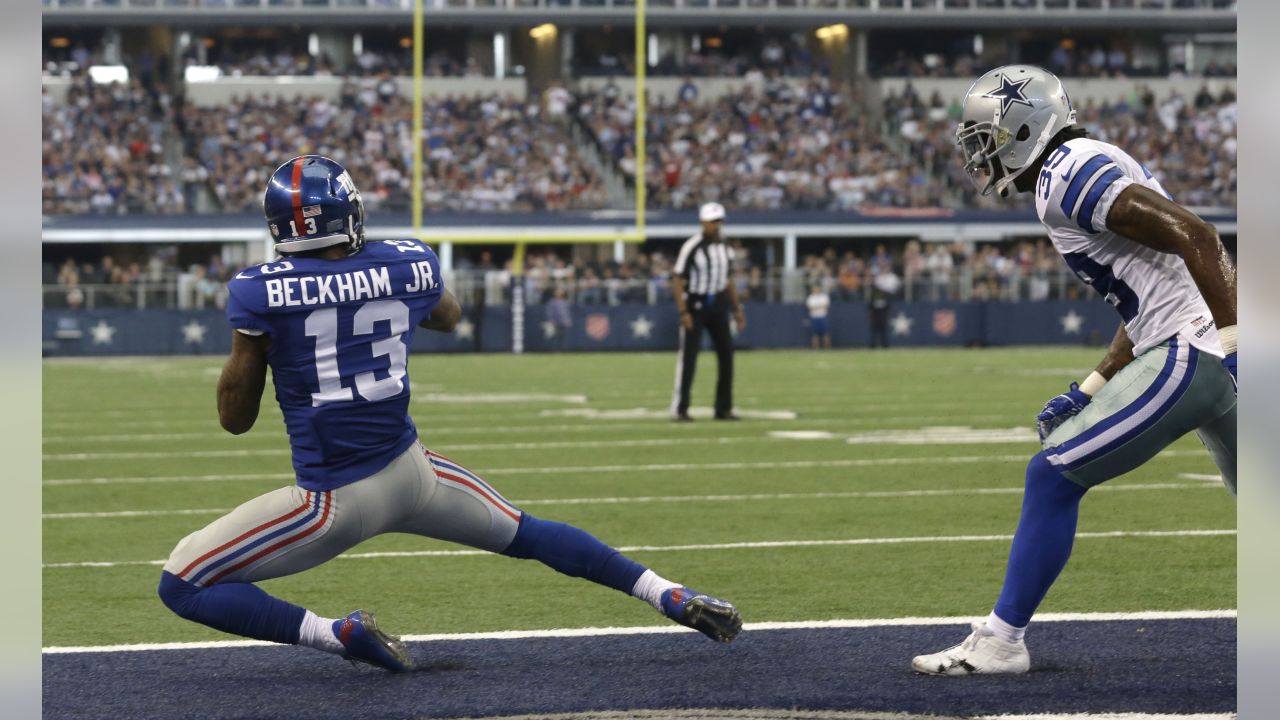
<point>141,435</point>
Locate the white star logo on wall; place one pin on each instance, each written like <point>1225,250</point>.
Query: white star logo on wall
<point>465,330</point>
<point>1071,323</point>
<point>548,329</point>
<point>102,333</point>
<point>641,327</point>
<point>193,333</point>
<point>901,324</point>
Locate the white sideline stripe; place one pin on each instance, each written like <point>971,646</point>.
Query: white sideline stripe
<point>720,546</point>
<point>592,469</point>
<point>855,623</point>
<point>683,498</point>
<point>555,445</point>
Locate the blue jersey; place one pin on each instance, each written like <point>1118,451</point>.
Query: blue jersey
<point>340,334</point>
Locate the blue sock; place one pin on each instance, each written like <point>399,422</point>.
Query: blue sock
<point>565,548</point>
<point>237,608</point>
<point>1042,543</point>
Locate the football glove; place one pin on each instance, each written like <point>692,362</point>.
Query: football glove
<point>1229,362</point>
<point>1058,409</point>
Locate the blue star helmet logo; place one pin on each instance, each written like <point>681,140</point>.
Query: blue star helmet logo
<point>1010,92</point>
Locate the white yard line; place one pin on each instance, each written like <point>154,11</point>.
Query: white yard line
<point>491,398</point>
<point>489,447</point>
<point>637,468</point>
<point>1203,477</point>
<point>428,434</point>
<point>59,482</point>
<point>644,499</point>
<point>856,623</point>
<point>762,544</point>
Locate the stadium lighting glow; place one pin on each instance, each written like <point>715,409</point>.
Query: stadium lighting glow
<point>653,50</point>
<point>357,44</point>
<point>106,74</point>
<point>833,32</point>
<point>59,42</point>
<point>544,31</point>
<point>499,55</point>
<point>313,45</point>
<point>201,73</point>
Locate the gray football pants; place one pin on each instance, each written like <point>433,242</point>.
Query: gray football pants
<point>1165,393</point>
<point>293,529</point>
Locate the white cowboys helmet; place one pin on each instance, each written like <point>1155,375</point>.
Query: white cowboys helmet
<point>1009,115</point>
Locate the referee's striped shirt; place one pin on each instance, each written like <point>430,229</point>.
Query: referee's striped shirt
<point>704,265</point>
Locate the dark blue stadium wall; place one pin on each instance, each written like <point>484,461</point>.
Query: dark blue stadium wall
<point>622,327</point>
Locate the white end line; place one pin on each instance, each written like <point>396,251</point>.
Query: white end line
<point>854,623</point>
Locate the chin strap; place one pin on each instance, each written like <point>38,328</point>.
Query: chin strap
<point>313,243</point>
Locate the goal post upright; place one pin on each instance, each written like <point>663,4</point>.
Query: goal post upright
<point>640,117</point>
<point>415,203</point>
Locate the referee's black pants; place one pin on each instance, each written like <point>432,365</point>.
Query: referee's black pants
<point>714,320</point>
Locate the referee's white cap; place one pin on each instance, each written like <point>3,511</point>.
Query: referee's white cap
<point>711,212</point>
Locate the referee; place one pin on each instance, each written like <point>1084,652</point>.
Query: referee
<point>705,295</point>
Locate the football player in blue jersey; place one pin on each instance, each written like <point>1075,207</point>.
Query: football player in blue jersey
<point>1171,368</point>
<point>333,318</point>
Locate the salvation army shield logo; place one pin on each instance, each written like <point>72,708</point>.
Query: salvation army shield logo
<point>944,322</point>
<point>597,326</point>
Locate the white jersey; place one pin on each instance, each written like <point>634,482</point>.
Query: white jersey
<point>1152,291</point>
<point>818,305</point>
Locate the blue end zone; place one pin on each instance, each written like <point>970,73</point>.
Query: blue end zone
<point>1165,666</point>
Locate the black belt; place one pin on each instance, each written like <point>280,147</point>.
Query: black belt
<point>704,301</point>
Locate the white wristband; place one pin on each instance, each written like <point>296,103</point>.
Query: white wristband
<point>1093,383</point>
<point>1227,336</point>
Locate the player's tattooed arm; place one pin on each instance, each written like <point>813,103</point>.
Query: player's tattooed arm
<point>1148,218</point>
<point>243,379</point>
<point>445,315</point>
<point>1118,355</point>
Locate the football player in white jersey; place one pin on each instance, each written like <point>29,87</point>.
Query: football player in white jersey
<point>1171,368</point>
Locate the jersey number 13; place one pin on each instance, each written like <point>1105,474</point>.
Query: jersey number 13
<point>323,326</point>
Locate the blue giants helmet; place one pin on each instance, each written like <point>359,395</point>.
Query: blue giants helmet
<point>311,203</point>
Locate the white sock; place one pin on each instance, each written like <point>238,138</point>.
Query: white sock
<point>317,632</point>
<point>1004,630</point>
<point>649,588</point>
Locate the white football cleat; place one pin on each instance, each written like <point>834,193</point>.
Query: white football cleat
<point>981,652</point>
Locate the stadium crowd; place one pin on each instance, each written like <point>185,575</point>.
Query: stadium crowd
<point>103,151</point>
<point>127,148</point>
<point>1188,143</point>
<point>773,145</point>
<point>484,153</point>
<point>148,276</point>
<point>776,142</point>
